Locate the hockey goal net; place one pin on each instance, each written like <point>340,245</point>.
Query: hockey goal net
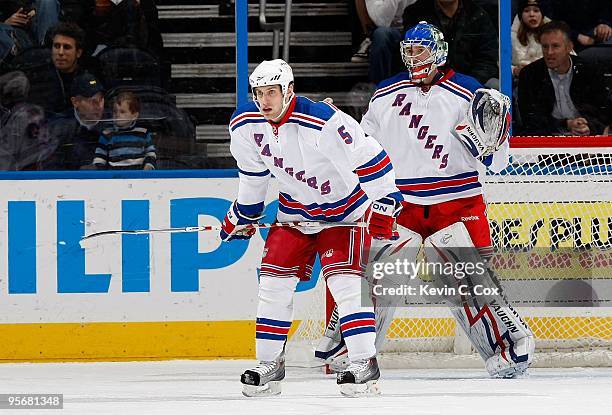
<point>555,195</point>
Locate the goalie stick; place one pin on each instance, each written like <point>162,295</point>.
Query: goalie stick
<point>304,224</point>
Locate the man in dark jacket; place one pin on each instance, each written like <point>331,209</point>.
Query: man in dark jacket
<point>77,131</point>
<point>560,93</point>
<point>51,86</point>
<point>471,37</point>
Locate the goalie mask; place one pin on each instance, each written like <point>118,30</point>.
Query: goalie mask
<point>274,72</point>
<point>423,50</point>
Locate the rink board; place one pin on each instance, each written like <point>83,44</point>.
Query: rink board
<point>181,295</point>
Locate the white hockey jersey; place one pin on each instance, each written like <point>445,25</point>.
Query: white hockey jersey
<point>414,127</point>
<point>328,170</point>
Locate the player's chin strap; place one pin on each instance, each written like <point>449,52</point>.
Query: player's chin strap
<point>303,225</point>
<point>286,103</point>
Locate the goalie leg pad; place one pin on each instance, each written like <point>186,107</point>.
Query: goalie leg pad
<point>495,329</point>
<point>274,316</point>
<point>405,247</point>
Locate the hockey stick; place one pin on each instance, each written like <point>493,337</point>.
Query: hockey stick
<point>311,224</point>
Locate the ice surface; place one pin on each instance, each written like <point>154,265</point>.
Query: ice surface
<point>213,387</point>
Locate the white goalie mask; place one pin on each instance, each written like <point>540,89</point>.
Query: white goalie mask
<point>274,72</point>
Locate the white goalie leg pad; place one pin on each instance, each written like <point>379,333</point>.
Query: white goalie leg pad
<point>332,348</point>
<point>495,329</point>
<point>406,247</point>
<point>274,316</point>
<point>356,319</point>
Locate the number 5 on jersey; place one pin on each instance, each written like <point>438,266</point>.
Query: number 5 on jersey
<point>345,135</point>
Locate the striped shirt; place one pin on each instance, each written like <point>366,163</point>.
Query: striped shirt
<point>125,148</point>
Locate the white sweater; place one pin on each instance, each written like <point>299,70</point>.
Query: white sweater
<point>387,13</point>
<point>524,55</point>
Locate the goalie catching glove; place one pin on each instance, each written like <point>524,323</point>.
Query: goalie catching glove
<point>380,217</point>
<point>231,227</point>
<point>487,123</point>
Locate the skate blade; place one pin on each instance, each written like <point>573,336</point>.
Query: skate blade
<point>356,390</point>
<point>269,389</point>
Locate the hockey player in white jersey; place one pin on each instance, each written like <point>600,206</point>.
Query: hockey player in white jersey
<point>439,127</point>
<point>327,170</point>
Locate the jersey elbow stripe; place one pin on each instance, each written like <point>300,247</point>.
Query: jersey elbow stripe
<point>257,174</point>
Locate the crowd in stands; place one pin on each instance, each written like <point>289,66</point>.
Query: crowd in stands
<point>561,54</point>
<point>81,87</point>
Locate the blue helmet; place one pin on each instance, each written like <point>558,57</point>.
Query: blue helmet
<point>418,62</point>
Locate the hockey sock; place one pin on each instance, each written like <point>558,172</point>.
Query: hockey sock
<point>274,316</point>
<point>356,321</point>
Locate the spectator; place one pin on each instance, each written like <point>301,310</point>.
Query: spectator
<point>24,139</point>
<point>117,23</point>
<point>51,90</point>
<point>30,19</point>
<point>381,21</point>
<point>125,146</point>
<point>589,20</point>
<point>526,47</point>
<point>77,130</point>
<point>472,44</point>
<point>561,94</point>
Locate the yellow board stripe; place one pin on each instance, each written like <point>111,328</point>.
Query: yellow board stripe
<point>220,339</point>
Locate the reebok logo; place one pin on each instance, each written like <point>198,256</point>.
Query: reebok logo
<point>328,253</point>
<point>468,218</point>
<point>446,238</point>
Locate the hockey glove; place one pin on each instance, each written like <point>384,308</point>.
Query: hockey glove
<point>231,227</point>
<point>486,124</point>
<point>380,217</point>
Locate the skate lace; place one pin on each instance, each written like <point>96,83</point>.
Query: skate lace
<point>358,366</point>
<point>265,367</point>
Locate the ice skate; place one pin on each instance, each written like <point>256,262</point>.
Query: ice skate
<point>360,378</point>
<point>264,379</point>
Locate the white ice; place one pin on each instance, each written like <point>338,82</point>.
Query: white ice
<point>212,387</point>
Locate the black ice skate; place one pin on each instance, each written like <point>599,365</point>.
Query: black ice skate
<point>360,378</point>
<point>264,379</point>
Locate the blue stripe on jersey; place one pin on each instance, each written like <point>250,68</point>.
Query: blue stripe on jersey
<point>305,124</point>
<point>249,121</point>
<point>436,178</point>
<point>454,91</point>
<point>249,173</point>
<point>324,206</point>
<point>376,175</point>
<point>442,191</point>
<point>399,77</point>
<point>248,107</point>
<point>392,90</point>
<point>318,110</point>
<point>323,217</point>
<point>466,81</point>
